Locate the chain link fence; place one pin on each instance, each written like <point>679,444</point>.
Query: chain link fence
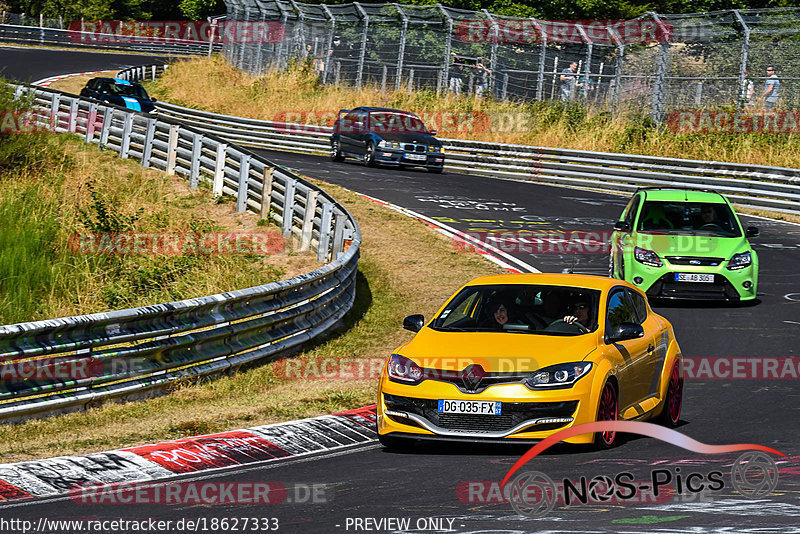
<point>655,63</point>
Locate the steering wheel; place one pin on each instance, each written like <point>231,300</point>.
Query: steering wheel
<point>710,226</point>
<point>578,326</point>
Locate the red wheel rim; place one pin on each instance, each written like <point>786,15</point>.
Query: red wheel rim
<point>608,411</point>
<point>675,393</point>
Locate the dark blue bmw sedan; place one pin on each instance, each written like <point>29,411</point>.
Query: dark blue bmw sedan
<point>385,136</point>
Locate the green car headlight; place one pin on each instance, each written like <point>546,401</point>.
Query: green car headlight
<point>647,257</point>
<point>740,261</point>
<point>562,375</point>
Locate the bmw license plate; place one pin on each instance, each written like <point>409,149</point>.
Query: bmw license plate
<point>416,157</point>
<point>476,407</point>
<point>694,277</point>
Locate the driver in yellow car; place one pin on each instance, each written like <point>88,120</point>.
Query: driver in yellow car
<point>580,314</point>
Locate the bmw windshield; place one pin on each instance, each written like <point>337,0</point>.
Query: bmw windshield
<point>689,218</point>
<point>389,122</point>
<point>518,308</point>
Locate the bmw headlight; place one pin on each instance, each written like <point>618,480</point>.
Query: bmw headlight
<point>435,148</point>
<point>740,261</point>
<point>388,144</point>
<point>563,375</point>
<point>402,369</point>
<point>647,257</point>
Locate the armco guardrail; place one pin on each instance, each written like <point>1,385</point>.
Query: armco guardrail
<point>32,35</point>
<point>131,352</point>
<point>757,186</point>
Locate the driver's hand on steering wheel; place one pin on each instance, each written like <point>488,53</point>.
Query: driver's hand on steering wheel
<point>569,319</point>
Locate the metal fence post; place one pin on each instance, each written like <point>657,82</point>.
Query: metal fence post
<point>325,232</point>
<point>300,28</point>
<point>329,46</point>
<point>587,65</point>
<point>698,94</point>
<point>219,170</point>
<point>384,75</point>
<point>493,58</point>
<point>410,80</point>
<point>743,97</point>
<point>147,150</point>
<point>308,219</point>
<point>288,207</point>
<point>197,150</point>
<point>127,127</point>
<point>172,149</point>
<point>402,50</point>
<point>241,45</point>
<point>542,54</point>
<point>447,49</point>
<point>244,182</point>
<point>266,192</point>
<point>618,70</point>
<point>363,52</point>
<point>659,89</point>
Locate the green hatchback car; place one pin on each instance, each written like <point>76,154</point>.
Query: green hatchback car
<point>684,244</point>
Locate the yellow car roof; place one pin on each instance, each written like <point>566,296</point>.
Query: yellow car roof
<point>587,281</point>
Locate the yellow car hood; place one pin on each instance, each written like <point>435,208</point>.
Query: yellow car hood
<point>495,351</point>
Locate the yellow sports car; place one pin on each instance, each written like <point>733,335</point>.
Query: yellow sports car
<point>521,356</point>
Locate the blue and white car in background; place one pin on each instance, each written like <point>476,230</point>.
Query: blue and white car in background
<point>123,93</point>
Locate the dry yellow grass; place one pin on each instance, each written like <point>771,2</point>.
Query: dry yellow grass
<point>74,84</point>
<point>224,89</point>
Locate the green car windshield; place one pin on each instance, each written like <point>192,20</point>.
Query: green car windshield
<point>688,218</point>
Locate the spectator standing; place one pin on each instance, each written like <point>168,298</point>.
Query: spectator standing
<point>748,90</point>
<point>456,75</point>
<point>771,89</point>
<point>483,73</point>
<point>569,82</point>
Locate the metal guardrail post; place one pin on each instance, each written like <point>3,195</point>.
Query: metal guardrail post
<point>105,129</point>
<point>266,192</point>
<point>55,103</point>
<point>402,50</point>
<point>325,232</point>
<point>219,170</point>
<point>73,115</point>
<point>244,182</point>
<point>308,219</point>
<point>91,122</point>
<point>147,151</point>
<point>363,52</point>
<point>172,149</point>
<point>288,208</point>
<point>197,150</point>
<point>742,100</point>
<point>338,234</point>
<point>127,127</point>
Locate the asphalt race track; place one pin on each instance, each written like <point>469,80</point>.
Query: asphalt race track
<point>429,481</point>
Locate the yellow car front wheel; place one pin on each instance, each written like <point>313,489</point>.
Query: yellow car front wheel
<point>607,410</point>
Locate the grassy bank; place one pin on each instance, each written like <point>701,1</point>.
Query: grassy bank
<point>224,89</point>
<point>55,187</point>
<point>394,281</point>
